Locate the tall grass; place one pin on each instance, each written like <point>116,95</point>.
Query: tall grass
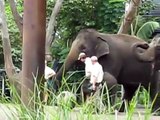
<point>130,108</point>
<point>90,110</point>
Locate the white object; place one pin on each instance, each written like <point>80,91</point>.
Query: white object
<point>88,66</point>
<point>48,73</point>
<point>97,71</point>
<point>81,55</point>
<point>88,63</point>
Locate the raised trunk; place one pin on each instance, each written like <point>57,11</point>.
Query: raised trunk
<point>148,55</point>
<point>144,52</point>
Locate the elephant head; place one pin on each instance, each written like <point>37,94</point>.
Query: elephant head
<point>144,52</point>
<point>155,41</point>
<point>88,41</point>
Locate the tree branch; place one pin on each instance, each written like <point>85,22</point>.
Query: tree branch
<point>18,19</point>
<point>51,25</point>
<point>129,16</point>
<point>14,78</point>
<point>6,43</point>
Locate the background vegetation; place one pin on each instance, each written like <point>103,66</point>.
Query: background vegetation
<point>103,15</point>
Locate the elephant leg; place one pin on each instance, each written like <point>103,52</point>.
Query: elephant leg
<point>129,91</point>
<point>111,83</point>
<point>109,79</point>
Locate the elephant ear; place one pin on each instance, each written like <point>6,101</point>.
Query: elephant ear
<point>102,48</point>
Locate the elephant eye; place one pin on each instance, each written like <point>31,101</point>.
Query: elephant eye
<point>82,47</point>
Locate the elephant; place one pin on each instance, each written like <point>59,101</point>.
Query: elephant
<point>116,54</point>
<point>146,52</point>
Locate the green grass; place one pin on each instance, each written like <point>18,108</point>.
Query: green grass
<point>95,108</point>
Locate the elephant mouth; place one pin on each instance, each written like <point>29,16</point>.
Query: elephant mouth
<point>143,46</point>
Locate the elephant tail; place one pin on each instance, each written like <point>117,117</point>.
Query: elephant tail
<point>143,52</point>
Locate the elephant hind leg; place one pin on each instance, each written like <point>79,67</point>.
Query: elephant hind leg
<point>129,91</point>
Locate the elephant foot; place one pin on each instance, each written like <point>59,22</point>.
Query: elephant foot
<point>156,110</point>
<point>122,107</point>
<point>156,103</point>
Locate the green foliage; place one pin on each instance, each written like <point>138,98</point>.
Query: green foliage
<point>59,50</point>
<point>146,30</point>
<point>50,6</point>
<point>110,14</point>
<point>146,6</point>
<point>141,18</point>
<point>75,15</point>
<point>112,1</point>
<point>78,14</point>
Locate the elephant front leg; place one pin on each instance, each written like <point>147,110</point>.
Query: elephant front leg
<point>109,79</point>
<point>112,86</point>
<point>129,91</point>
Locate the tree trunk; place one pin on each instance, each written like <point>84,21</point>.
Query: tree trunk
<point>18,19</point>
<point>9,67</point>
<point>129,16</point>
<point>34,31</point>
<point>51,26</point>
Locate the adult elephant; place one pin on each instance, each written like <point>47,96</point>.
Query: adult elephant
<point>115,53</point>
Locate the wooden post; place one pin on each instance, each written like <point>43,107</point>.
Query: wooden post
<point>34,31</point>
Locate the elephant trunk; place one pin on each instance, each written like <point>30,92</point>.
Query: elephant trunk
<point>69,62</point>
<point>144,52</point>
